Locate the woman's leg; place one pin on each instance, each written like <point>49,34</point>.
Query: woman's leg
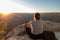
<point>31,35</point>
<point>48,35</point>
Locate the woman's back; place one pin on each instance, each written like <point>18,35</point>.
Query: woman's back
<point>37,26</point>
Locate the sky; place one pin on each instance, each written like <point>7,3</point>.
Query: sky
<point>29,6</point>
<point>43,5</point>
<point>9,6</point>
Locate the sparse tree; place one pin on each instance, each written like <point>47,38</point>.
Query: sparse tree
<point>3,26</point>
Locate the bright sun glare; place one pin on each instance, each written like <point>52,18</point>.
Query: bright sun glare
<point>8,6</point>
<point>5,13</point>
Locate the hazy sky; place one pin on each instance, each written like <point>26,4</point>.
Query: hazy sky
<point>7,6</point>
<point>29,5</point>
<point>42,5</point>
